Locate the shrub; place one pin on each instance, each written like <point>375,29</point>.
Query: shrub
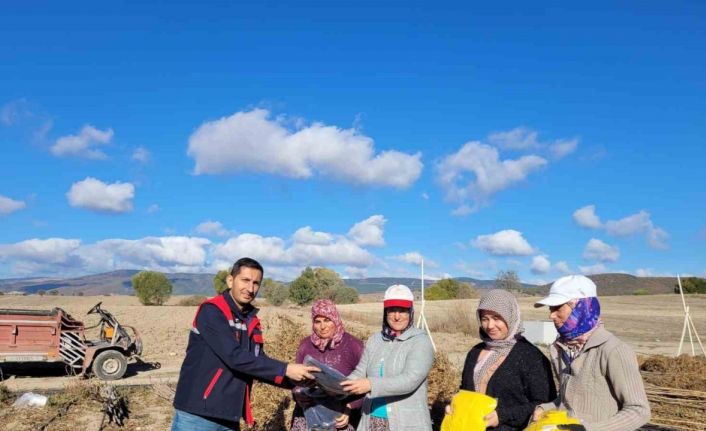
<point>448,288</point>
<point>692,285</point>
<point>151,288</point>
<point>191,301</point>
<point>53,292</point>
<point>345,295</point>
<point>41,292</point>
<point>275,293</point>
<point>640,292</point>
<point>219,282</point>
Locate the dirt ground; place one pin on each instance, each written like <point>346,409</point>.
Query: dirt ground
<point>650,324</point>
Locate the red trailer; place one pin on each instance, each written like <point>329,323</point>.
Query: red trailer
<point>55,336</point>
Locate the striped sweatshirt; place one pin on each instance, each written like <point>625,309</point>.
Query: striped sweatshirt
<point>603,386</point>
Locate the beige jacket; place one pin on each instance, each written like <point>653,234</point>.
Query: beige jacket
<point>603,388</point>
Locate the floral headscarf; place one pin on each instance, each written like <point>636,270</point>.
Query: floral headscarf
<point>326,308</point>
<point>583,320</point>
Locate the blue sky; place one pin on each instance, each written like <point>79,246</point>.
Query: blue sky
<point>545,138</point>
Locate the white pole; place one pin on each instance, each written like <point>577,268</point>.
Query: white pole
<point>688,328</point>
<point>697,336</point>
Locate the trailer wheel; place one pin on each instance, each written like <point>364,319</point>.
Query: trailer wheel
<point>109,365</point>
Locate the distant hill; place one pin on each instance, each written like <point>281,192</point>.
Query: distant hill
<point>625,284</point>
<point>114,282</point>
<point>119,283</point>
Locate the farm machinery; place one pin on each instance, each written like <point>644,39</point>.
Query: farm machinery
<point>55,336</point>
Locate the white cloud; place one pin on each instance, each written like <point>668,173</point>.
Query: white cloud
<point>251,141</point>
<point>563,267</point>
<point>84,144</point>
<point>489,174</point>
<point>153,209</point>
<point>96,195</point>
<point>425,196</point>
<point>269,250</point>
<point>593,269</point>
<point>563,147</point>
<point>519,138</point>
<point>170,253</point>
<point>49,251</point>
<point>586,217</point>
<point>353,272</point>
<point>15,111</point>
<point>600,251</point>
<point>638,223</point>
<point>306,235</point>
<point>415,258</point>
<point>70,257</point>
<point>212,228</point>
<point>276,251</point>
<point>369,232</point>
<point>540,264</point>
<point>340,252</point>
<point>504,243</point>
<point>141,154</point>
<point>8,205</point>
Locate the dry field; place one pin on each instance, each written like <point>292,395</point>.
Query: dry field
<point>650,324</point>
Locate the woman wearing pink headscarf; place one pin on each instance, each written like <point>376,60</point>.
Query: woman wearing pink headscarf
<point>330,344</point>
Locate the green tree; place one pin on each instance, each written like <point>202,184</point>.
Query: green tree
<point>507,280</point>
<point>436,292</point>
<point>41,292</point>
<point>274,292</point>
<point>345,295</point>
<point>151,288</point>
<point>327,283</point>
<point>465,291</point>
<point>53,292</point>
<point>303,290</point>
<point>219,282</point>
<point>691,285</point>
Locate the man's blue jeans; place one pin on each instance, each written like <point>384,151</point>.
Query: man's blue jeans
<point>184,421</point>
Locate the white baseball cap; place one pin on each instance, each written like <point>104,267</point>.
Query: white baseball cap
<point>398,295</point>
<point>567,288</point>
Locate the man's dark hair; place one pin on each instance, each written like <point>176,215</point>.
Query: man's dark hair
<point>247,263</point>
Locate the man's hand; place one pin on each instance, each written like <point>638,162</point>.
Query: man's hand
<point>537,413</point>
<point>299,372</point>
<point>357,387</point>
<point>491,419</point>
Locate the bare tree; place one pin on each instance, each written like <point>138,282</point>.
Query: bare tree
<point>507,280</point>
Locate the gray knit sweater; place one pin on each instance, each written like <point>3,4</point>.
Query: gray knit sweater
<point>603,387</point>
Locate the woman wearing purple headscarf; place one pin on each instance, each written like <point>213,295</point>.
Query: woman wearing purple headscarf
<point>505,365</point>
<point>330,344</point>
<point>599,377</point>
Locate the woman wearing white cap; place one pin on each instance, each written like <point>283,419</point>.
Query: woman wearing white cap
<point>599,377</point>
<point>393,370</point>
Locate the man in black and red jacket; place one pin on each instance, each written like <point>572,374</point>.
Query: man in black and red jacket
<point>224,355</point>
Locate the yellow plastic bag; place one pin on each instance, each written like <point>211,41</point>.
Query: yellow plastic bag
<point>550,419</point>
<point>469,409</point>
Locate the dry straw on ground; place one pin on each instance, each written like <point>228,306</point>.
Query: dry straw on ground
<point>676,389</point>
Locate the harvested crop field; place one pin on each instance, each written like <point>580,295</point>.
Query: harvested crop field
<point>650,324</point>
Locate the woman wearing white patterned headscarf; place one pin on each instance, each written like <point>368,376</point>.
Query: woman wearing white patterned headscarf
<point>505,365</point>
